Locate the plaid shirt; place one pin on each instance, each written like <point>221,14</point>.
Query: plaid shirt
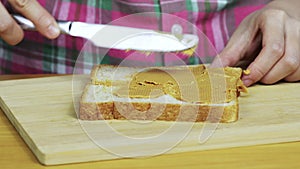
<point>217,19</point>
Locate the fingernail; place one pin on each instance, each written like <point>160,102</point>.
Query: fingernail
<point>53,31</point>
<point>247,82</point>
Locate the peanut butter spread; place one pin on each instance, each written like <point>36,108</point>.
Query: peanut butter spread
<point>190,84</point>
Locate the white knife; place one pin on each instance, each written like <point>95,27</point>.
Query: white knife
<point>120,37</point>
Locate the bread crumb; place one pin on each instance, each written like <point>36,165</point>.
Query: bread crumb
<point>189,52</point>
<point>246,72</point>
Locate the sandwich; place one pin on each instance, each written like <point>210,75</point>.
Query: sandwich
<point>175,93</point>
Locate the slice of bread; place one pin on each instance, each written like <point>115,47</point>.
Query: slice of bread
<point>183,93</point>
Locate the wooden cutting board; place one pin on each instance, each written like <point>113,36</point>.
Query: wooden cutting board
<point>42,110</point>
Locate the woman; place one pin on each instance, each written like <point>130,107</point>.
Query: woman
<point>261,34</point>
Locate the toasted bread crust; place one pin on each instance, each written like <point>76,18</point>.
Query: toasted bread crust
<point>157,111</point>
<point>93,111</point>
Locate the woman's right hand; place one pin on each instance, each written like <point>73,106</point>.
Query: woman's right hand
<point>12,33</point>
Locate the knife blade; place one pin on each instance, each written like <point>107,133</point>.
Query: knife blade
<point>123,38</point>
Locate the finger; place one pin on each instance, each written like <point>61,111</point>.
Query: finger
<point>10,31</point>
<point>294,77</point>
<point>43,21</point>
<point>289,63</point>
<point>272,47</point>
<point>238,44</point>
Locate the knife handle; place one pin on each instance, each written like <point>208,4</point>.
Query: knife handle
<point>26,24</point>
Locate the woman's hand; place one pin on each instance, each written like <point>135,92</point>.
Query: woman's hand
<point>12,33</point>
<point>268,42</point>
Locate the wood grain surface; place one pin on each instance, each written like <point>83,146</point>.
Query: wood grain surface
<point>282,127</point>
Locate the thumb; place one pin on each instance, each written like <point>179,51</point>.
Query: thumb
<point>42,20</point>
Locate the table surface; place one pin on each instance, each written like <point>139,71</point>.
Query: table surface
<point>16,154</point>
